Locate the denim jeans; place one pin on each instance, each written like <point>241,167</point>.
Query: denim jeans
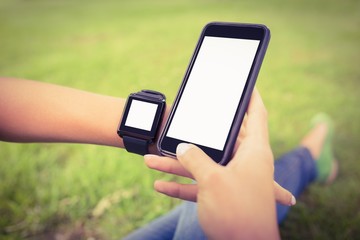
<point>293,171</point>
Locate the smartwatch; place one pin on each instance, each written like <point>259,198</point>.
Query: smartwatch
<point>141,120</point>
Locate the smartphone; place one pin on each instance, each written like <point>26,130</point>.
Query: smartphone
<point>215,92</point>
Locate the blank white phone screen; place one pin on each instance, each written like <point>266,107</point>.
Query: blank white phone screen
<point>212,93</point>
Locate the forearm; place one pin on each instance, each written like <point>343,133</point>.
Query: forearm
<point>250,211</point>
<point>39,112</point>
<point>257,204</point>
<point>257,209</point>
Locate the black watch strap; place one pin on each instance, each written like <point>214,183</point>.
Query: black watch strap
<point>136,145</point>
<point>137,138</point>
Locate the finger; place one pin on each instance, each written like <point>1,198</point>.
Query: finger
<point>167,165</point>
<point>256,124</point>
<point>283,196</point>
<point>242,133</point>
<point>237,145</point>
<point>186,192</point>
<point>195,160</point>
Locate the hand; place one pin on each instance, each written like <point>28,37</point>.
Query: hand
<point>189,191</point>
<point>233,201</point>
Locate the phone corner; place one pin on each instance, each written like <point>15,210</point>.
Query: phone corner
<point>158,148</point>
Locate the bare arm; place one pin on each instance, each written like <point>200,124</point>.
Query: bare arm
<point>33,111</point>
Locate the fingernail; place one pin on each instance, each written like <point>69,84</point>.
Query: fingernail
<point>293,201</point>
<point>182,148</point>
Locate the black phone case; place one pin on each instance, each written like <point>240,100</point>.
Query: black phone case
<point>234,131</point>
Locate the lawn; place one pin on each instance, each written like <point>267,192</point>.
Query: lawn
<point>118,47</point>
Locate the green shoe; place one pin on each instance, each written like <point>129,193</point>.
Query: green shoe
<point>326,164</point>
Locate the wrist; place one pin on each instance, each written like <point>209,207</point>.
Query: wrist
<point>141,121</point>
<point>153,149</point>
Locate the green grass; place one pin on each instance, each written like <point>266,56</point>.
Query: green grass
<point>118,47</point>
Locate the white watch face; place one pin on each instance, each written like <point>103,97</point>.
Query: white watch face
<point>141,115</point>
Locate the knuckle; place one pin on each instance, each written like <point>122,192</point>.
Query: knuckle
<point>213,177</point>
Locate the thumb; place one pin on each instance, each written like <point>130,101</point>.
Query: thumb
<point>194,160</point>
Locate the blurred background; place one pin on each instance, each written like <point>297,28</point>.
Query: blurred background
<point>64,191</point>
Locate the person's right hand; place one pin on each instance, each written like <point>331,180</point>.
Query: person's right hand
<point>236,201</point>
<point>189,191</point>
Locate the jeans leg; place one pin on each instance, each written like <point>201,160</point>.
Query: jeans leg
<point>188,226</point>
<point>162,228</point>
<point>294,171</point>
